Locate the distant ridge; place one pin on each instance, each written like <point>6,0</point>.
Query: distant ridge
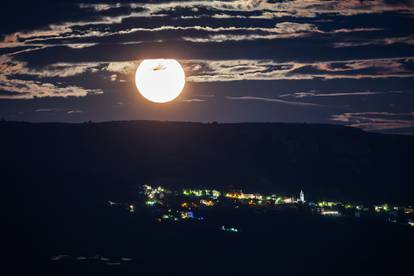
<point>327,161</point>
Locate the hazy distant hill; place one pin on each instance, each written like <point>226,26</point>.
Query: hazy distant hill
<point>56,160</point>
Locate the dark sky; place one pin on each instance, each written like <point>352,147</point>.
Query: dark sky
<point>343,62</point>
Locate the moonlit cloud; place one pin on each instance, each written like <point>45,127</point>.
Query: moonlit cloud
<point>273,100</point>
<point>10,66</point>
<point>374,121</point>
<point>97,27</point>
<point>294,8</point>
<point>194,100</point>
<point>47,109</point>
<point>337,94</point>
<point>58,257</point>
<point>284,30</point>
<point>28,89</point>
<point>237,70</point>
<point>379,41</point>
<point>75,111</point>
<point>12,87</point>
<point>121,67</point>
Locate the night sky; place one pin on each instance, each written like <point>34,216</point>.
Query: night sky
<point>337,62</point>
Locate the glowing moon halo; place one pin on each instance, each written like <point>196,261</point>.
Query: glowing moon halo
<point>160,80</point>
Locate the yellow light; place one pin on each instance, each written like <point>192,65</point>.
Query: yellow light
<point>207,202</point>
<point>160,80</point>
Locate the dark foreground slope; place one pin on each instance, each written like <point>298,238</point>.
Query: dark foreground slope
<point>56,179</point>
<point>326,161</point>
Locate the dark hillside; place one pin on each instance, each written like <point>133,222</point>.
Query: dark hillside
<point>104,159</point>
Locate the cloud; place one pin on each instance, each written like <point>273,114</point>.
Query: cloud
<point>338,94</point>
<point>66,110</point>
<point>75,111</point>
<point>13,87</point>
<point>80,45</point>
<point>374,121</point>
<point>64,33</point>
<point>109,19</point>
<point>100,7</point>
<point>293,8</point>
<point>252,98</point>
<point>122,67</point>
<point>193,100</point>
<point>378,41</point>
<point>48,109</point>
<point>29,89</point>
<point>238,70</point>
<point>58,257</point>
<point>284,30</point>
<point>11,66</point>
<point>241,37</point>
<point>113,77</point>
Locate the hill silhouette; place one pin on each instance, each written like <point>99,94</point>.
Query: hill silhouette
<point>98,160</point>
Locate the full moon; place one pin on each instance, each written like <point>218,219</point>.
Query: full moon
<point>160,80</point>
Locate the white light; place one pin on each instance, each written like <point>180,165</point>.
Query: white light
<point>330,213</point>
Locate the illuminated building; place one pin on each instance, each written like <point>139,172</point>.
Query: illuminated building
<point>382,208</point>
<point>187,215</point>
<point>302,196</point>
<point>214,194</point>
<point>150,202</point>
<point>206,202</point>
<point>408,210</point>
<point>229,229</point>
<point>330,213</point>
<point>241,195</point>
<point>326,204</point>
<point>279,200</point>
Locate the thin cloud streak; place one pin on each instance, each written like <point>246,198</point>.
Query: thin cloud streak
<point>376,121</point>
<point>339,94</point>
<point>252,98</point>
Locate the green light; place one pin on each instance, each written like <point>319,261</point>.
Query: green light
<point>229,229</point>
<point>150,202</point>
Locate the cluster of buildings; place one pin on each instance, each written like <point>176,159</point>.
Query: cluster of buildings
<point>187,204</point>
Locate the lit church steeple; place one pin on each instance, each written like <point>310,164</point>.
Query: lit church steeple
<point>302,196</point>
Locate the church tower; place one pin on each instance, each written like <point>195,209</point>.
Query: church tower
<point>302,196</point>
